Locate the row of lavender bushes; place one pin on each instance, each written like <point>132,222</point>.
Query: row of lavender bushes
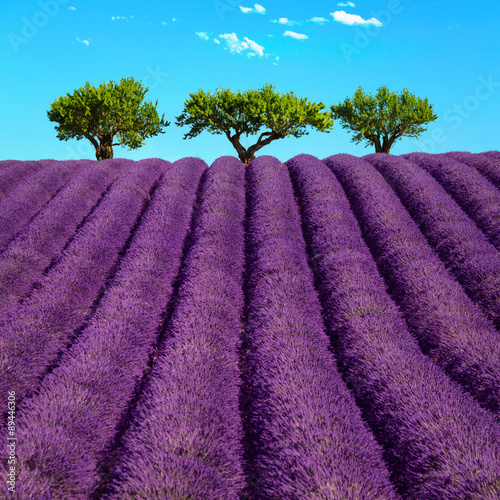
<point>439,443</point>
<point>306,436</point>
<point>185,436</point>
<point>450,328</point>
<point>42,241</point>
<point>96,379</point>
<point>45,323</point>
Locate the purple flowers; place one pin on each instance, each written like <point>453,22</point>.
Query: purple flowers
<point>307,437</point>
<point>299,330</point>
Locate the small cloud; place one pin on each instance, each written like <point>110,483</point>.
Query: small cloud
<point>257,9</point>
<point>236,46</point>
<point>203,35</point>
<point>287,22</point>
<point>217,41</point>
<point>174,19</point>
<point>353,20</point>
<point>318,20</point>
<point>347,4</point>
<point>456,26</point>
<point>85,42</point>
<point>71,8</point>
<point>118,18</point>
<point>163,23</point>
<point>297,36</point>
<point>270,36</point>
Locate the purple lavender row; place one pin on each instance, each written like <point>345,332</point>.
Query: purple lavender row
<point>307,437</point>
<point>28,198</point>
<point>461,245</point>
<point>16,172</point>
<point>449,327</point>
<point>185,437</point>
<point>438,441</point>
<point>483,163</point>
<point>477,196</point>
<point>79,405</point>
<point>493,154</point>
<point>44,324</point>
<point>23,261</point>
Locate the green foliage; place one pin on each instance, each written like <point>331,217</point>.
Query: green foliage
<point>108,111</point>
<point>247,113</point>
<point>384,118</point>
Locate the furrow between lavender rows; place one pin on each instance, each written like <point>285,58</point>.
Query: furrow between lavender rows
<point>47,321</point>
<point>483,163</point>
<point>460,244</point>
<point>439,443</point>
<point>13,174</point>
<point>306,436</point>
<point>477,196</point>
<point>40,242</point>
<point>30,197</point>
<point>448,326</point>
<point>185,436</point>
<point>80,405</point>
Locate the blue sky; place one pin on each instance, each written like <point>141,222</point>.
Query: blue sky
<point>447,51</point>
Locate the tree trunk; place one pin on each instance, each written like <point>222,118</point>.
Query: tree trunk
<point>246,157</point>
<point>105,150</point>
<point>385,147</point>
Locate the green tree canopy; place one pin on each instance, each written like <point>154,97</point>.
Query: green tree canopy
<point>384,118</point>
<point>105,113</point>
<point>264,111</point>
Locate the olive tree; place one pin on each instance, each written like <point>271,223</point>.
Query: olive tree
<point>382,119</point>
<point>264,111</point>
<point>107,113</point>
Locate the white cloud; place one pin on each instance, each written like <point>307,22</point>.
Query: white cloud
<point>353,20</point>
<point>174,19</point>
<point>255,47</point>
<point>163,23</point>
<point>347,4</point>
<point>217,41</point>
<point>72,8</point>
<point>257,9</point>
<point>286,21</point>
<point>234,45</point>
<point>318,20</point>
<point>85,42</point>
<point>202,35</point>
<point>118,18</point>
<point>270,36</point>
<point>297,36</point>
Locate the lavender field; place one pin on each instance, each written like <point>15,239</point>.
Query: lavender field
<point>318,329</point>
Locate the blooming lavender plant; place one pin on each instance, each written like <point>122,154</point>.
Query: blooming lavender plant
<point>477,196</point>
<point>307,437</point>
<point>42,240</point>
<point>438,441</point>
<point>46,322</point>
<point>79,405</point>
<point>186,433</point>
